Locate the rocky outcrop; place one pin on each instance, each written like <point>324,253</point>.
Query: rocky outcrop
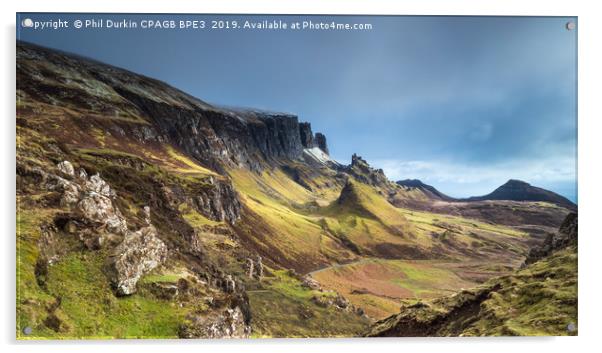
<point>425,320</point>
<point>91,200</point>
<point>320,142</point>
<point>363,172</point>
<point>255,268</point>
<point>229,324</point>
<point>66,168</point>
<point>566,236</point>
<point>138,254</point>
<point>219,202</point>
<point>311,283</point>
<point>309,140</point>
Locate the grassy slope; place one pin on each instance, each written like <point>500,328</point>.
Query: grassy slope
<point>283,308</point>
<point>540,299</point>
<point>308,236</point>
<point>88,307</point>
<point>278,201</point>
<point>379,286</point>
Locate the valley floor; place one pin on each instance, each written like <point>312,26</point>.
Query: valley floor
<point>379,286</point>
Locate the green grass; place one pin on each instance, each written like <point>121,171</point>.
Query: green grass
<point>284,309</point>
<point>31,299</point>
<point>162,278</point>
<point>388,282</point>
<point>190,165</point>
<point>538,300</point>
<point>195,219</point>
<point>89,309</point>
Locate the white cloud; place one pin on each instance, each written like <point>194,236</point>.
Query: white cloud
<point>461,180</point>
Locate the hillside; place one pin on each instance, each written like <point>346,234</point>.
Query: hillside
<point>145,212</point>
<point>516,190</point>
<point>539,299</point>
<point>429,190</point>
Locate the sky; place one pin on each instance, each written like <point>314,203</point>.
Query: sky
<point>462,103</point>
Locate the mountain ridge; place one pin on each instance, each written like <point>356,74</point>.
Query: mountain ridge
<point>512,190</point>
<point>214,220</point>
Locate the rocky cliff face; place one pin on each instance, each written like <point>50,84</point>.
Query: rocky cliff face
<point>363,172</point>
<point>216,137</point>
<point>566,236</point>
<point>320,142</point>
<point>309,140</point>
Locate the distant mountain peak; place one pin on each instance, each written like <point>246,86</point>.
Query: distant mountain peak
<point>428,190</point>
<point>518,190</point>
<point>516,182</point>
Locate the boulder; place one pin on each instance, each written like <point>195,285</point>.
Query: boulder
<point>96,184</point>
<point>230,323</point>
<point>100,209</point>
<point>309,282</point>
<point>138,254</point>
<point>66,168</point>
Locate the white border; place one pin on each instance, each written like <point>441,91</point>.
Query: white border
<point>590,196</point>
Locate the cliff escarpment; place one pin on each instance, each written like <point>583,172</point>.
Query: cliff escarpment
<point>155,112</point>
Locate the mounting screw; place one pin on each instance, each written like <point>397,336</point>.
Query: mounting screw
<point>571,327</point>
<point>27,330</point>
<point>570,26</point>
<point>27,22</point>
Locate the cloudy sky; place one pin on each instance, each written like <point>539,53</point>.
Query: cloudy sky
<point>462,103</point>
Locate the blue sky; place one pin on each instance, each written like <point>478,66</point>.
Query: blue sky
<point>462,103</point>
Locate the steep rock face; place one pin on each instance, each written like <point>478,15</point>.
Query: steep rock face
<point>218,200</point>
<point>516,190</point>
<point>216,137</point>
<point>320,142</point>
<point>219,203</point>
<point>307,136</point>
<point>566,236</point>
<point>309,140</point>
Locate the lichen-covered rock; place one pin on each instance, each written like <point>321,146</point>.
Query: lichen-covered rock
<point>100,209</point>
<point>229,324</point>
<point>147,214</point>
<point>96,184</point>
<point>71,192</point>
<point>255,268</point>
<point>66,168</point>
<point>138,254</point>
